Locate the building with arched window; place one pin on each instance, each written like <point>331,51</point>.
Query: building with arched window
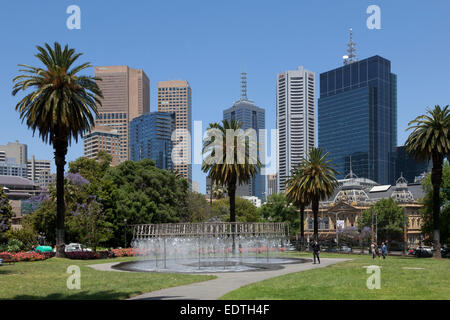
<point>353,197</point>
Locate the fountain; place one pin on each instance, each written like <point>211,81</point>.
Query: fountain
<point>209,247</point>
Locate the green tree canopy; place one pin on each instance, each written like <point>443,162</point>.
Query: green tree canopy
<point>390,219</point>
<point>278,209</point>
<point>245,210</point>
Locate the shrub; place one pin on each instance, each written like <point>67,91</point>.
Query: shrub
<point>14,245</point>
<point>82,255</point>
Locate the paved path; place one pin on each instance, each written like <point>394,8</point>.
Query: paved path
<point>224,283</point>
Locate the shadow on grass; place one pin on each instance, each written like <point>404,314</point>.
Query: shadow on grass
<point>83,295</point>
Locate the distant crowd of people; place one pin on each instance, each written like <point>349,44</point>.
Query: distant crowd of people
<point>377,251</point>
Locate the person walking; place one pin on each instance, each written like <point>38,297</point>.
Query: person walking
<point>372,248</point>
<point>383,250</point>
<point>316,251</point>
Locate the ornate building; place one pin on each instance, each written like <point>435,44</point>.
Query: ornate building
<point>353,197</point>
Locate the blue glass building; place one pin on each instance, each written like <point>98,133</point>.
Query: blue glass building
<point>150,138</point>
<point>357,118</point>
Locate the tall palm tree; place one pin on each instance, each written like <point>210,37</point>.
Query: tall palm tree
<point>318,181</point>
<point>430,139</point>
<point>296,195</point>
<point>229,173</point>
<point>61,107</point>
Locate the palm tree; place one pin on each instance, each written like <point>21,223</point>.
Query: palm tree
<point>61,107</point>
<point>296,195</point>
<point>430,139</point>
<point>218,154</point>
<point>318,181</point>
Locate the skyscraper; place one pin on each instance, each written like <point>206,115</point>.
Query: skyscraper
<point>150,138</point>
<point>102,138</point>
<point>358,116</point>
<point>36,168</point>
<point>15,152</point>
<point>251,117</point>
<point>295,120</point>
<point>176,96</point>
<point>126,95</point>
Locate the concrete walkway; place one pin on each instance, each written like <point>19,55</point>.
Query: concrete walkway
<point>224,283</point>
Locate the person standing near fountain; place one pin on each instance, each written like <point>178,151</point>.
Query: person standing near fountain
<point>316,251</point>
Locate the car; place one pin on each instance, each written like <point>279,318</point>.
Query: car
<point>423,252</point>
<point>445,252</point>
<point>71,247</point>
<point>345,249</point>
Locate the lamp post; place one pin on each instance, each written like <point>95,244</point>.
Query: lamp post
<point>405,237</point>
<point>125,231</point>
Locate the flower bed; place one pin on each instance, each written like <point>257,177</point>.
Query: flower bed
<point>83,255</point>
<point>128,252</point>
<point>26,256</point>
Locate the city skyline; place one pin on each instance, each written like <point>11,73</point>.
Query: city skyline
<point>202,53</point>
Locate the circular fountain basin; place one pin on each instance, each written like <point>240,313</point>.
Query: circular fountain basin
<point>210,265</point>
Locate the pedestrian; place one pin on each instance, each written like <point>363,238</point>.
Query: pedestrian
<point>316,251</point>
<point>377,251</point>
<point>372,248</point>
<point>383,250</point>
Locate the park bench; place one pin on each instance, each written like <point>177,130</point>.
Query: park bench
<point>6,258</point>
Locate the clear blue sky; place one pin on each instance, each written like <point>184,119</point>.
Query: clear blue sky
<point>209,43</point>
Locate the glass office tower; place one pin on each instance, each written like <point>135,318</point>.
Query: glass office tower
<point>150,138</point>
<point>357,118</point>
<point>251,117</point>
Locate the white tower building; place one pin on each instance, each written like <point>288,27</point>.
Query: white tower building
<point>295,120</point>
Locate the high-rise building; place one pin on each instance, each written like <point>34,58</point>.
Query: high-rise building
<point>37,167</point>
<point>150,138</point>
<point>406,166</point>
<point>295,120</point>
<point>126,95</point>
<point>357,118</point>
<point>271,184</point>
<point>251,117</point>
<point>176,96</point>
<point>15,152</point>
<point>103,138</point>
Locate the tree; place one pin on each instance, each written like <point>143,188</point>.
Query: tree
<point>390,219</point>
<point>317,182</point>
<point>92,169</point>
<point>427,209</point>
<point>278,209</point>
<point>61,107</point>
<point>197,207</point>
<point>230,163</point>
<point>430,139</point>
<point>245,210</point>
<point>90,223</point>
<point>141,193</point>
<point>297,195</point>
<point>6,214</point>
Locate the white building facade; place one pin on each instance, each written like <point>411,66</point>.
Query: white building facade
<point>295,120</point>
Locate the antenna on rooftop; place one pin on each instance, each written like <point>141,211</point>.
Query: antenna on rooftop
<point>350,57</point>
<point>244,86</point>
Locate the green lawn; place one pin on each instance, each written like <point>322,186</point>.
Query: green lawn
<point>47,280</point>
<point>347,280</point>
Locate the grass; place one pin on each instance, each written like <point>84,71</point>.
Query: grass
<point>347,281</point>
<point>47,280</point>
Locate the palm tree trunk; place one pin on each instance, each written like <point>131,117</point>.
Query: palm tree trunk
<point>60,147</point>
<point>315,210</point>
<point>436,180</point>
<point>302,225</point>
